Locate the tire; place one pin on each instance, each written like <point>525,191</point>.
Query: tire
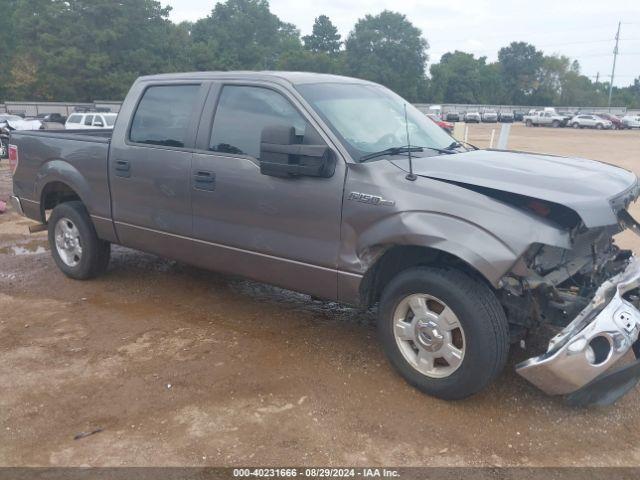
<point>555,124</point>
<point>575,125</point>
<point>528,123</point>
<point>75,246</point>
<point>482,343</point>
<point>599,126</point>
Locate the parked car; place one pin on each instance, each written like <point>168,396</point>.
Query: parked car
<point>7,117</point>
<point>490,116</point>
<point>616,122</point>
<point>590,121</point>
<point>518,116</point>
<point>3,147</point>
<point>505,117</point>
<point>631,121</point>
<point>15,122</point>
<point>52,118</point>
<point>472,117</point>
<point>446,126</point>
<point>270,176</point>
<point>84,121</point>
<point>544,118</point>
<point>452,117</point>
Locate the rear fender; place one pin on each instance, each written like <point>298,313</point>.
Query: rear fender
<point>63,172</point>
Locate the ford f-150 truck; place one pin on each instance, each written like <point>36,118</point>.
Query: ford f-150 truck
<point>338,188</point>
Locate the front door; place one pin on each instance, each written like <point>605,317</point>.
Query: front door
<point>283,231</point>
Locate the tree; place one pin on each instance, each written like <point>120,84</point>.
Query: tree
<point>520,63</point>
<point>461,78</point>
<point>388,49</point>
<point>81,50</point>
<point>7,43</point>
<point>324,37</point>
<point>306,61</point>
<point>243,34</point>
<point>552,75</point>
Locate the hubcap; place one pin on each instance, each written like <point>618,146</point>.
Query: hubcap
<point>68,243</point>
<point>429,335</point>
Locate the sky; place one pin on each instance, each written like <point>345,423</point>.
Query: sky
<point>583,30</point>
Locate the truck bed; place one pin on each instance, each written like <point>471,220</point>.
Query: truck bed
<point>60,160</point>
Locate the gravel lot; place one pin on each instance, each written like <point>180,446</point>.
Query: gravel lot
<point>180,366</point>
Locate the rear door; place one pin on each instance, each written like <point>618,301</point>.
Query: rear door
<point>283,231</point>
<point>150,167</point>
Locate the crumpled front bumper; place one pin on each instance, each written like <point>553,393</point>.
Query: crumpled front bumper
<point>592,343</point>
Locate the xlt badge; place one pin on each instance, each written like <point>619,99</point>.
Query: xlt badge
<point>370,199</point>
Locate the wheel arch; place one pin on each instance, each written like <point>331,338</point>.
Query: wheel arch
<point>60,182</point>
<point>398,258</point>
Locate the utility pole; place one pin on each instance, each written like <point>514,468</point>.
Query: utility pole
<point>597,78</point>
<point>613,70</point>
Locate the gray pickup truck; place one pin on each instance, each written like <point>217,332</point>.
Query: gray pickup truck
<point>338,188</point>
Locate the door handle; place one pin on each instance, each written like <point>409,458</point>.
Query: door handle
<point>123,168</point>
<point>204,180</point>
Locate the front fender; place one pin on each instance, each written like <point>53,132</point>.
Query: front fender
<point>487,252</point>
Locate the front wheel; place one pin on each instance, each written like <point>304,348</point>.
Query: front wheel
<point>575,125</point>
<point>75,246</point>
<point>599,126</point>
<point>528,123</point>
<point>445,332</point>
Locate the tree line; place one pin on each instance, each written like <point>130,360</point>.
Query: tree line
<point>81,50</point>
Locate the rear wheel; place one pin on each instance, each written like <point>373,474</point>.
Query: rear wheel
<point>575,125</point>
<point>75,246</point>
<point>555,124</point>
<point>599,126</point>
<point>444,332</point>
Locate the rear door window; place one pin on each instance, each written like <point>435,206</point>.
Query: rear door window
<point>164,114</point>
<point>88,120</point>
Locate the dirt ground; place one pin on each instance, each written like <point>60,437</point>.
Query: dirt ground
<point>180,366</point>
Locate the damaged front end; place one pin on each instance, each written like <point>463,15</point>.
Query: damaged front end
<point>592,291</point>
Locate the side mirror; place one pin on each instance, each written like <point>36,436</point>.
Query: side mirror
<point>282,156</point>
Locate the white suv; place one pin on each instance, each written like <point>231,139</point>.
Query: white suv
<point>631,121</point>
<point>83,121</point>
<point>590,121</point>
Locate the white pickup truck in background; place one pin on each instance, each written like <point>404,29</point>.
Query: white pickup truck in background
<point>547,118</point>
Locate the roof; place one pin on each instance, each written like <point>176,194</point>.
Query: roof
<point>294,78</point>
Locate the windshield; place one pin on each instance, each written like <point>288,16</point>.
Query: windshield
<point>370,118</point>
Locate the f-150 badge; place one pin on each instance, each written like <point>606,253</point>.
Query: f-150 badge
<point>370,199</point>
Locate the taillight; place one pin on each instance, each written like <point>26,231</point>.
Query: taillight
<point>13,158</point>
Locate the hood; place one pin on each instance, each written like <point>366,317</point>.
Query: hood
<point>586,186</point>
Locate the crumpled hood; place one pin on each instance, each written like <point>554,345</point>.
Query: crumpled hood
<point>586,186</point>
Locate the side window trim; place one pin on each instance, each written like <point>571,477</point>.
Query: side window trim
<point>210,105</point>
<point>190,138</point>
<point>246,155</point>
<point>211,110</point>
